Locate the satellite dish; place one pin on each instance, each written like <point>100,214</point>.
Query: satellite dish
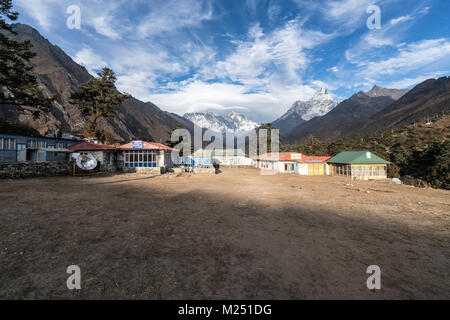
<point>75,155</point>
<point>86,162</point>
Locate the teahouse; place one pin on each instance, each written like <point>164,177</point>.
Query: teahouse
<point>284,162</point>
<point>313,166</point>
<point>363,165</point>
<point>142,154</point>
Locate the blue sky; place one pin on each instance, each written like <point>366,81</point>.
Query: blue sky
<point>256,57</point>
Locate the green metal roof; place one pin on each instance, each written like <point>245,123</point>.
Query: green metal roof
<point>357,157</point>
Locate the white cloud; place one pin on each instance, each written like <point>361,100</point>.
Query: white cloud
<point>132,59</point>
<point>42,11</point>
<point>200,96</point>
<point>409,82</point>
<point>377,40</point>
<point>252,5</point>
<point>103,25</point>
<point>283,51</point>
<point>334,69</point>
<point>173,15</point>
<point>136,83</point>
<point>138,70</point>
<point>369,42</point>
<point>51,14</point>
<point>246,63</point>
<point>348,13</point>
<point>401,19</point>
<point>273,11</point>
<point>415,56</point>
<point>390,35</point>
<point>424,10</point>
<point>87,58</point>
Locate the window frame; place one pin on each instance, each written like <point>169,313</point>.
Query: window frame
<point>14,144</point>
<point>136,158</point>
<point>40,144</point>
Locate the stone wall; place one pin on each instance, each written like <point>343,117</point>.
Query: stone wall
<point>143,171</point>
<point>29,170</point>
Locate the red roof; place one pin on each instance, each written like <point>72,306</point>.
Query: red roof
<point>147,146</point>
<point>89,146</point>
<point>280,156</point>
<point>313,159</point>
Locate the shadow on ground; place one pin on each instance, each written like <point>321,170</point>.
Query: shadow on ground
<point>140,241</point>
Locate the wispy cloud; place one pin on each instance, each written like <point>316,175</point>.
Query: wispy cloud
<point>91,61</point>
<point>401,19</point>
<point>409,82</point>
<point>273,11</point>
<point>283,50</point>
<point>42,11</point>
<point>414,56</point>
<point>173,15</point>
<point>103,25</point>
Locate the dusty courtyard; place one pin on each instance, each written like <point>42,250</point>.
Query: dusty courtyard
<point>229,236</point>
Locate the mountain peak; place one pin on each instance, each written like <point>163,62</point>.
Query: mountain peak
<point>234,122</point>
<point>322,91</point>
<point>318,105</point>
<point>377,91</point>
<point>322,95</point>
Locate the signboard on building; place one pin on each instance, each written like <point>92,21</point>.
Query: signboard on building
<point>296,156</point>
<point>137,144</point>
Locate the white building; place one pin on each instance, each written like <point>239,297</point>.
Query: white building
<point>230,157</point>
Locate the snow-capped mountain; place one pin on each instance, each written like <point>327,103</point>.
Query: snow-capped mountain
<point>301,111</point>
<point>232,123</point>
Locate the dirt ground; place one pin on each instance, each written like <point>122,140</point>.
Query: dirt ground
<point>236,235</point>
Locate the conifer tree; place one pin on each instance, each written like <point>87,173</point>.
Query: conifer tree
<point>18,85</point>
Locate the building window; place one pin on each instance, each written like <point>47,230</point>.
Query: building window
<point>36,144</point>
<point>60,145</point>
<point>288,167</point>
<point>8,144</point>
<point>144,158</point>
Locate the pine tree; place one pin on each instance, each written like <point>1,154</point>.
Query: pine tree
<point>18,85</point>
<point>98,98</point>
